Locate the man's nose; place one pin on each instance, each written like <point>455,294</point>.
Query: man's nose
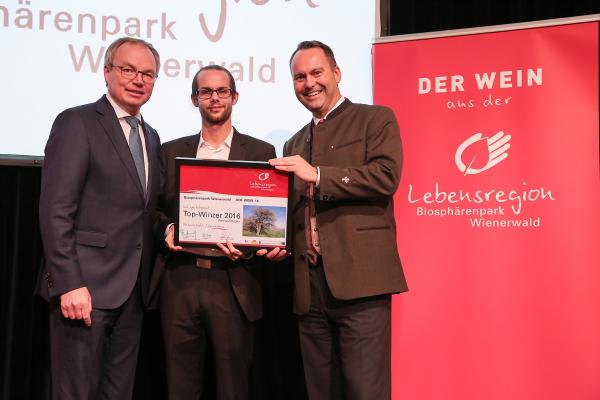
<point>138,80</point>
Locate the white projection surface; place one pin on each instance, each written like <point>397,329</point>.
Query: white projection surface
<point>52,58</point>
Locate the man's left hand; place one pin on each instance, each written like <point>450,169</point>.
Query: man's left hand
<point>229,250</point>
<point>275,254</point>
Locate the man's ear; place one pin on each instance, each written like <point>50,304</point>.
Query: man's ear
<point>337,73</point>
<point>106,72</point>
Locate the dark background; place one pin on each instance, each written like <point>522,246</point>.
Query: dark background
<point>23,318</point>
<point>412,16</point>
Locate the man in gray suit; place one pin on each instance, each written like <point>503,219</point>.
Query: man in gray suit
<point>210,297</point>
<point>347,163</point>
<point>99,190</point>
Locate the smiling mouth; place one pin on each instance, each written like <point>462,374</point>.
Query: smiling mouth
<point>313,93</point>
<point>138,92</point>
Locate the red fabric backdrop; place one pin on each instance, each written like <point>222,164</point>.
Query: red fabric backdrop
<point>498,232</point>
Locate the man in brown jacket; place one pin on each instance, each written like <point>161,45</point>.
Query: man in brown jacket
<point>347,164</point>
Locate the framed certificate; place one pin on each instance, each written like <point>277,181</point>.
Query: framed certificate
<point>245,202</point>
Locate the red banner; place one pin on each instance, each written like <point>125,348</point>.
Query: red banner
<point>498,214</point>
<point>242,181</point>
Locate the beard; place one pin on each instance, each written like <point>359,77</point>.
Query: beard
<point>216,119</point>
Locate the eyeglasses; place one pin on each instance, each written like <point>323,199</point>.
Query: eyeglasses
<point>206,93</point>
<point>131,73</point>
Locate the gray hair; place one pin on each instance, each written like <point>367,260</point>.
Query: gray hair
<point>112,49</point>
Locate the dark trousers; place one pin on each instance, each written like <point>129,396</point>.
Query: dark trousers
<point>96,362</point>
<point>346,344</point>
<point>199,309</point>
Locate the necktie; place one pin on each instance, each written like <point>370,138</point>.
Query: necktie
<point>310,217</point>
<point>135,145</point>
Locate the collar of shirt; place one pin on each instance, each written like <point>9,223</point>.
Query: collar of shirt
<point>121,114</point>
<point>119,111</point>
<point>336,105</point>
<point>204,147</point>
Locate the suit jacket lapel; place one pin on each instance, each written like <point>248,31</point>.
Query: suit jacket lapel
<point>304,152</point>
<point>189,148</point>
<point>238,147</point>
<point>109,121</point>
<point>152,152</point>
<point>306,137</point>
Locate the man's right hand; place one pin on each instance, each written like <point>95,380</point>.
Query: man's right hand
<point>297,165</point>
<point>77,304</point>
<point>170,243</point>
<point>170,239</point>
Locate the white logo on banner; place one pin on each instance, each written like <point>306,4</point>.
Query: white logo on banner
<point>263,176</point>
<point>497,146</point>
<point>488,207</point>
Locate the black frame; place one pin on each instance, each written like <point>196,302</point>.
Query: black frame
<point>179,161</point>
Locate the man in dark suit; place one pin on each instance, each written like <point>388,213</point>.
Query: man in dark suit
<point>209,297</point>
<point>100,183</point>
<point>347,161</point>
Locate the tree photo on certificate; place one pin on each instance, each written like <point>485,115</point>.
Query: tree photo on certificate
<point>264,221</point>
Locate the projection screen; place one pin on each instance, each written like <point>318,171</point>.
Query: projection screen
<point>53,58</point>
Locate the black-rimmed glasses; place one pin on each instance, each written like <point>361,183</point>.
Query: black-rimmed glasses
<point>206,93</point>
<point>131,73</point>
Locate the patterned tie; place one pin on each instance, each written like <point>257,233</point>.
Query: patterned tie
<point>135,145</point>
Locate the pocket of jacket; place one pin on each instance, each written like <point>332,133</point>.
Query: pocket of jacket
<point>90,238</point>
<point>342,145</point>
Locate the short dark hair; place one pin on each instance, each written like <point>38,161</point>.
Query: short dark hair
<point>315,44</point>
<point>112,49</point>
<point>216,68</point>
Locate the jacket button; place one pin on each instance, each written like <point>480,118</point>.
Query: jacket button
<point>139,246</point>
<point>49,284</point>
<point>325,197</point>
